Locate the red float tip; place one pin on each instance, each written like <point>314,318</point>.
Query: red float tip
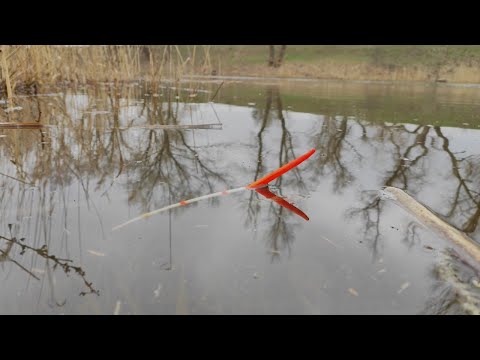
<point>280,171</point>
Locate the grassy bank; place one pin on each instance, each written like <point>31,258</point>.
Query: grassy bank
<point>451,63</point>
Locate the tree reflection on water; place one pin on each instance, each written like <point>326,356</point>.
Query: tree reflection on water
<point>97,141</point>
<point>279,224</point>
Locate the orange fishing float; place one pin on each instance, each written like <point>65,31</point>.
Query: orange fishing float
<point>258,185</point>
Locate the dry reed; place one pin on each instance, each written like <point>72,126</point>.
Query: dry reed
<point>27,65</point>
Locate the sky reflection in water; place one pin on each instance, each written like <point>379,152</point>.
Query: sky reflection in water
<point>106,154</point>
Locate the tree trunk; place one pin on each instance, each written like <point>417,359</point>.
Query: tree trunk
<point>271,57</point>
<point>281,55</point>
<point>146,53</point>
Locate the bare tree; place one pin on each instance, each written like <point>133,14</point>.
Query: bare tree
<point>281,56</point>
<point>271,56</point>
<point>276,62</point>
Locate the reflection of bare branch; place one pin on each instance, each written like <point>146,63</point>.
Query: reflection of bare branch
<point>280,233</point>
<point>471,224</point>
<point>169,164</point>
<point>404,164</point>
<point>206,171</point>
<point>254,207</point>
<point>286,153</point>
<point>329,142</point>
<point>403,171</point>
<point>371,217</point>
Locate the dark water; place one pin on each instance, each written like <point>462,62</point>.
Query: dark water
<point>101,157</point>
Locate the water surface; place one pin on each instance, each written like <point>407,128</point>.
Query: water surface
<point>105,153</point>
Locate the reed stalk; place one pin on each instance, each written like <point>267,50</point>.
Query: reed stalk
<point>6,75</point>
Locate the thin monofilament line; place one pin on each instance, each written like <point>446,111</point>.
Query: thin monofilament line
<point>181,203</point>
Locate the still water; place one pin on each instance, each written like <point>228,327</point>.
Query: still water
<point>96,156</point>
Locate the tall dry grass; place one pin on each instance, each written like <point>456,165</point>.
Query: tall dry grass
<point>6,74</point>
<point>25,65</point>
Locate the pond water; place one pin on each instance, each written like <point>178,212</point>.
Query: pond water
<point>95,156</point>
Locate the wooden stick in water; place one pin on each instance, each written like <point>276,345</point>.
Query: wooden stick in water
<point>467,248</point>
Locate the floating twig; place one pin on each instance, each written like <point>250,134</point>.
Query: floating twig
<point>65,264</point>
